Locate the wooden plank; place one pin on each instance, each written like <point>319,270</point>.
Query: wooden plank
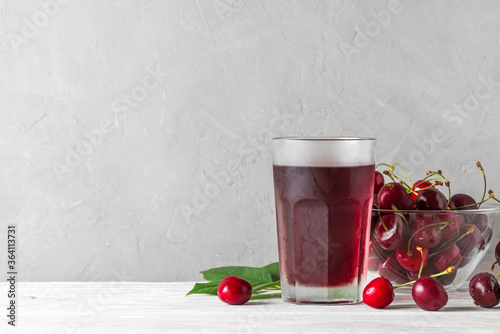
<point>163,308</point>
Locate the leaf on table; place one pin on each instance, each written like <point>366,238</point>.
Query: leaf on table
<point>209,288</point>
<point>274,269</point>
<point>266,274</point>
<point>258,277</point>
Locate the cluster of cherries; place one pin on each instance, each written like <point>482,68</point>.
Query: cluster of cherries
<point>429,294</point>
<point>424,248</point>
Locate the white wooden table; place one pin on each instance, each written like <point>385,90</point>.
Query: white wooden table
<point>164,308</point>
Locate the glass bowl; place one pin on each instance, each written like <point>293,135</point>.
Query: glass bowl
<point>458,238</point>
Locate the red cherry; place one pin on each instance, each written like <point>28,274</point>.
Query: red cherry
<point>394,194</point>
<point>379,182</point>
<point>431,270</point>
<point>429,294</point>
<point>431,199</point>
<point>392,270</point>
<point>390,232</point>
<point>451,256</point>
<point>470,244</point>
<point>453,229</point>
<point>413,260</point>
<point>379,293</point>
<point>461,200</point>
<point>423,236</point>
<point>417,187</point>
<point>480,220</point>
<point>234,290</point>
<point>485,290</point>
<point>427,271</point>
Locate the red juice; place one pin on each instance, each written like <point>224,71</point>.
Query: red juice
<point>323,216</point>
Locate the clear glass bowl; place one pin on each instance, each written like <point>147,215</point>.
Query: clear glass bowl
<point>458,238</point>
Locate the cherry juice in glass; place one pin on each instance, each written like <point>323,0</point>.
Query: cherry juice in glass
<point>323,209</point>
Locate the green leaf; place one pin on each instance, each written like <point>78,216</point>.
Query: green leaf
<point>209,288</point>
<point>258,277</point>
<point>266,274</point>
<point>274,269</point>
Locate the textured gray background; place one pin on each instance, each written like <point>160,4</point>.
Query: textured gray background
<point>135,135</point>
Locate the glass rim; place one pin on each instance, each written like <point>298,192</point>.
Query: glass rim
<point>339,138</point>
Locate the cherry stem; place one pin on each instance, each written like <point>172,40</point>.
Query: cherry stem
<point>446,272</point>
<point>435,179</point>
<point>493,266</point>
<point>439,173</point>
<point>445,223</point>
<point>417,184</point>
<point>392,175</point>
<point>440,178</point>
<point>421,263</point>
<point>404,219</point>
<point>448,243</point>
<point>478,164</point>
<point>431,174</point>
<point>478,203</point>
<point>449,194</point>
<point>386,165</point>
<point>266,296</point>
<point>268,286</point>
<point>404,172</point>
<point>453,241</point>
<point>492,196</point>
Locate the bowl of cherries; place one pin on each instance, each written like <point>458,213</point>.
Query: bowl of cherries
<point>421,229</point>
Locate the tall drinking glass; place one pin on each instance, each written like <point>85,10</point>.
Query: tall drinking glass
<point>323,189</point>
